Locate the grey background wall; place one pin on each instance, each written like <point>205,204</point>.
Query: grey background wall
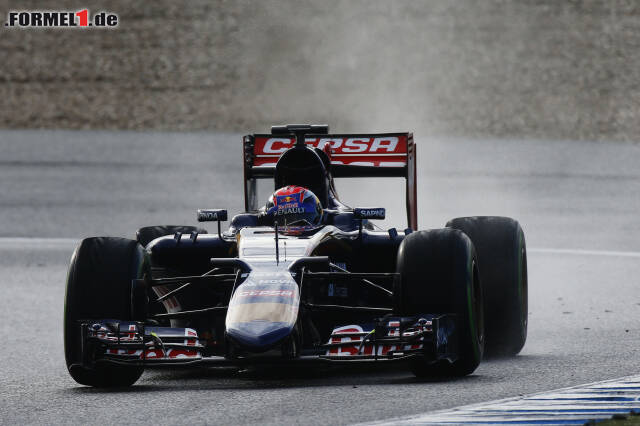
<point>540,69</point>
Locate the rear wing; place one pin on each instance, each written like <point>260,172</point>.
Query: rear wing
<point>351,155</point>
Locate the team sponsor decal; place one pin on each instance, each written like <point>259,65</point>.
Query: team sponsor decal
<point>290,210</point>
<point>348,350</point>
<point>273,281</point>
<point>257,295</point>
<point>375,213</point>
<point>158,353</point>
<point>266,289</point>
<point>365,150</point>
<point>353,145</point>
<point>61,19</point>
<point>265,293</point>
<point>287,205</point>
<point>209,215</point>
<point>356,334</point>
<point>266,283</point>
<point>189,341</point>
<point>152,353</point>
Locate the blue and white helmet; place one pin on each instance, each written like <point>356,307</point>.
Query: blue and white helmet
<point>294,206</point>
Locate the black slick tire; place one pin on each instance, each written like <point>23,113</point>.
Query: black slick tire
<point>99,287</point>
<point>438,275</point>
<point>502,259</point>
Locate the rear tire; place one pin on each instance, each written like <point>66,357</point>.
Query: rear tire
<point>502,257</point>
<point>99,287</point>
<point>438,275</point>
<point>149,233</point>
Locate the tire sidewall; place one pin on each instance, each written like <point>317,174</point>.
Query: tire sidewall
<point>100,298</point>
<point>501,250</point>
<point>437,270</point>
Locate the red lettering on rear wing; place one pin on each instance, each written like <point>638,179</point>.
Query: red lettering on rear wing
<point>351,155</point>
<point>355,150</point>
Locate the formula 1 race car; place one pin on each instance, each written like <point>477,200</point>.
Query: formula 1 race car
<point>302,278</point>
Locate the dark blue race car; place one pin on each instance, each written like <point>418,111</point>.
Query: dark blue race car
<point>302,278</point>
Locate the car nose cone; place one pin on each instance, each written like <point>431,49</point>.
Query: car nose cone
<point>263,310</point>
<point>259,334</point>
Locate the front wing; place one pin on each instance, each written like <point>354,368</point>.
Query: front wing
<point>432,337</point>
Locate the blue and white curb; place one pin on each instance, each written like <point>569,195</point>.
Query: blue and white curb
<point>569,406</point>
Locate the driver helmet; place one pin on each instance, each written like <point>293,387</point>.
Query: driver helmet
<point>294,206</point>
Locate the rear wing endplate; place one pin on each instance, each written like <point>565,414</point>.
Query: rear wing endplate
<point>351,155</point>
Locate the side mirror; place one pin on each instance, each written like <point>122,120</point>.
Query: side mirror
<point>212,215</point>
<point>369,213</point>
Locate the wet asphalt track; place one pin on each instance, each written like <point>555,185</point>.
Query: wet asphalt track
<point>584,305</point>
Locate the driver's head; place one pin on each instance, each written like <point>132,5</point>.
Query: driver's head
<point>294,206</point>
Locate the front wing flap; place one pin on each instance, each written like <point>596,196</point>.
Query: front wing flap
<point>129,342</point>
<point>390,338</point>
<point>428,336</point>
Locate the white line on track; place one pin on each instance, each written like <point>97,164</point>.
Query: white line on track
<point>581,252</point>
<point>37,243</point>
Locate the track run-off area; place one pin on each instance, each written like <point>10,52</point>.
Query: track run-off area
<point>578,203</point>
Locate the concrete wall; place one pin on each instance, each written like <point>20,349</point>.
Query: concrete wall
<point>544,69</point>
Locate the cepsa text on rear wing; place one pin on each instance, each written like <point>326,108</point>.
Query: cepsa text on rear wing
<point>351,155</point>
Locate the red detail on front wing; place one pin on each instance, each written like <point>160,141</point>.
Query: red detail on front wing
<point>368,347</point>
<point>154,352</point>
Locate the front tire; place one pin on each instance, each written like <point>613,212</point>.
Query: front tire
<point>438,275</point>
<point>99,287</point>
<point>502,255</point>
